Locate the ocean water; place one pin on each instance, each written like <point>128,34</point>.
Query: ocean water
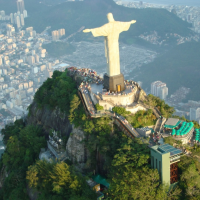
<point>174,2</point>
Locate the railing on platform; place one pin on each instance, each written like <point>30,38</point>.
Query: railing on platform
<point>128,126</point>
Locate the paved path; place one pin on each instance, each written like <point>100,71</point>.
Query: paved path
<point>92,111</point>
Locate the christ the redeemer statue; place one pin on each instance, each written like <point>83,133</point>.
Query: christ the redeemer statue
<point>111,32</point>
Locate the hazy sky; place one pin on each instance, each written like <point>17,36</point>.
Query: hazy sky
<point>175,2</point>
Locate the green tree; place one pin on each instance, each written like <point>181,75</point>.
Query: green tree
<point>58,179</point>
<point>189,177</point>
<point>23,145</point>
<point>132,178</point>
<point>12,130</point>
<point>57,92</point>
<point>98,107</point>
<point>120,110</point>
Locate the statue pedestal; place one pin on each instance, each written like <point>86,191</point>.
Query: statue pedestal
<point>114,83</point>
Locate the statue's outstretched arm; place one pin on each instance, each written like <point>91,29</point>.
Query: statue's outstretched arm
<point>133,21</point>
<point>87,30</point>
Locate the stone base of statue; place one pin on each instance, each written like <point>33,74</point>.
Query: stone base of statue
<point>114,83</point>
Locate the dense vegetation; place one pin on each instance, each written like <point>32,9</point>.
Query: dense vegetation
<point>125,162</point>
<point>98,107</point>
<point>57,91</point>
<point>165,110</point>
<point>177,68</point>
<point>23,144</point>
<point>132,178</point>
<point>139,119</point>
<point>58,180</point>
<point>142,119</point>
<point>189,177</point>
<point>57,49</point>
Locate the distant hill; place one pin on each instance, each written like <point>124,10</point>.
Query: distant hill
<point>178,67</point>
<point>92,13</point>
<point>57,49</point>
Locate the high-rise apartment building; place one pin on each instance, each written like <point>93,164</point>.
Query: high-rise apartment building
<point>34,33</point>
<point>25,13</point>
<point>153,87</point>
<point>159,89</point>
<point>195,114</point>
<point>22,19</point>
<point>9,29</point>
<point>18,21</point>
<point>11,18</point>
<point>31,60</point>
<point>2,13</point>
<point>37,58</point>
<point>48,65</point>
<point>20,6</point>
<point>29,29</point>
<point>163,92</point>
<point>58,34</point>
<point>61,32</point>
<point>15,18</point>
<point>1,62</point>
<point>55,35</point>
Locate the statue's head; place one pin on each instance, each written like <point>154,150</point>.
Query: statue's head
<point>110,17</point>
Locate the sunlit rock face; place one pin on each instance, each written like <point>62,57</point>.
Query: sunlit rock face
<point>75,147</point>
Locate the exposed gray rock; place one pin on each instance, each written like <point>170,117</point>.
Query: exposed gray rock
<point>49,119</point>
<point>75,148</point>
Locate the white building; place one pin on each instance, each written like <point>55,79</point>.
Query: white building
<point>37,58</point>
<point>159,89</point>
<point>30,83</point>
<point>163,92</point>
<point>35,70</point>
<point>18,22</point>
<point>25,13</point>
<point>5,72</point>
<point>195,114</point>
<point>22,19</point>
<point>21,86</point>
<point>9,104</point>
<point>11,18</point>
<point>20,6</point>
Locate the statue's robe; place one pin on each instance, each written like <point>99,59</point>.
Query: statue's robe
<point>111,33</point>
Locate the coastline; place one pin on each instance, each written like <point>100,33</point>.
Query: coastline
<point>169,2</point>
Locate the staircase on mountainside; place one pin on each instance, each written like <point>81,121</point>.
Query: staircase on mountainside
<point>158,125</point>
<point>160,122</point>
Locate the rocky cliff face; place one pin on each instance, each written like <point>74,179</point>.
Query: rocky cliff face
<point>75,148</point>
<point>49,119</point>
<point>56,120</point>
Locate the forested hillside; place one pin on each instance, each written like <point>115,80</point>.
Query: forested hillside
<point>125,161</point>
<point>178,67</point>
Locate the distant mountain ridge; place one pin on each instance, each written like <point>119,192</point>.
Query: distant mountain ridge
<point>178,67</point>
<point>92,13</point>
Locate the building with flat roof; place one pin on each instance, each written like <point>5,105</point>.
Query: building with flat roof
<point>165,159</point>
<point>179,130</point>
<point>145,131</point>
<point>172,123</point>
